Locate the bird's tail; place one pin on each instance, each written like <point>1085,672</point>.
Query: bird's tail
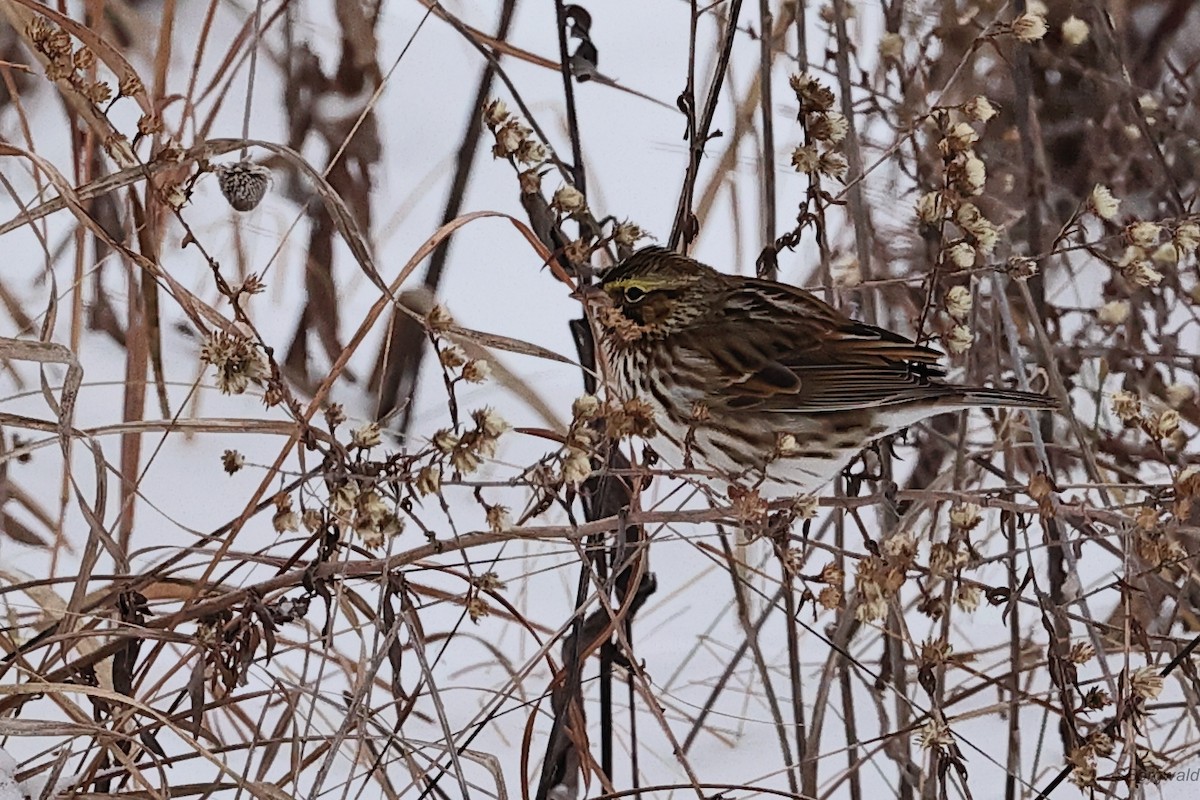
<point>1003,398</point>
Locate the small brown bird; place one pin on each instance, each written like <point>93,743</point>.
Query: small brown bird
<point>761,381</point>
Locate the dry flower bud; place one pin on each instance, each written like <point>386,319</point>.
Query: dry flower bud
<point>786,445</point>
<point>958,302</point>
<point>489,423</point>
<point>846,272</point>
<point>1166,423</point>
<point>1114,312</point>
<point>1029,27</point>
<point>1075,31</point>
<point>438,318</point>
<point>445,440</point>
<point>1187,238</point>
<point>1143,234</point>
<point>833,164</point>
<point>1146,683</point>
<point>830,598</point>
<point>805,159</point>
<point>1141,273</point>
<point>452,356</point>
<point>509,138</point>
<point>568,200</point>
<point>237,360</point>
<point>965,516</point>
<point>1081,653</point>
<point>959,138</point>
<point>813,96</point>
<point>968,597</point>
<point>499,519</point>
<point>627,234</point>
<point>465,460</point>
<point>366,436</point>
<point>585,407</point>
<point>130,85</point>
<point>891,47</point>
<point>429,480</point>
<point>532,152</point>
<point>495,113</point>
<point>979,109</point>
<point>935,735</point>
<point>961,255</point>
<point>974,175</point>
<point>805,507</point>
<point>232,461</point>
<point>829,126</point>
<point>477,370</point>
<point>959,339</point>
<point>1127,407</point>
<point>931,208</point>
<point>576,467</point>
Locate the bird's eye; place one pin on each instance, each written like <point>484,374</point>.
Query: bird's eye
<point>633,294</point>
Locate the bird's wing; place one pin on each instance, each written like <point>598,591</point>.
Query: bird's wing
<point>782,349</point>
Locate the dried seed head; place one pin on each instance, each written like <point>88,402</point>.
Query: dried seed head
<point>931,208</point>
<point>959,339</point>
<point>237,360</point>
<point>1127,407</point>
<point>366,436</point>
<point>968,597</point>
<point>1187,238</point>
<point>576,467</point>
<point>812,94</point>
<point>961,255</point>
<point>232,461</point>
<point>979,109</point>
<point>829,126</point>
<point>445,440</point>
<point>532,152</point>
<point>429,480</point>
<point>1029,27</point>
<point>1075,31</point>
<point>805,159</point>
<point>1146,683</point>
<point>438,318</point>
<point>965,516</point>
<point>569,200</point>
<point>627,234</point>
<point>477,370</point>
<point>489,423</point>
<point>959,139</point>
<point>935,735</point>
<point>974,175</point>
<point>495,113</point>
<point>585,407</point>
<point>958,302</point>
<point>833,164</point>
<point>1143,234</point>
<point>499,519</point>
<point>452,356</point>
<point>509,137</point>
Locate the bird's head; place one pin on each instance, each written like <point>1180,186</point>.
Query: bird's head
<point>655,293</point>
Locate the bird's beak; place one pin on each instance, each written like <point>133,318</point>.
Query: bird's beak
<point>589,294</point>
